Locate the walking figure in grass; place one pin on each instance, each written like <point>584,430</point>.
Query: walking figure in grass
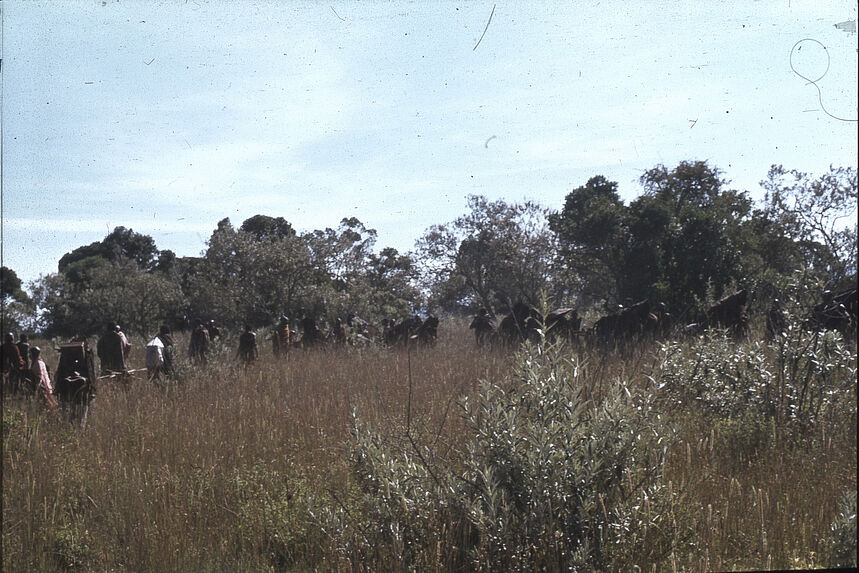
<point>41,379</point>
<point>248,351</point>
<point>111,350</point>
<point>282,337</point>
<point>199,345</point>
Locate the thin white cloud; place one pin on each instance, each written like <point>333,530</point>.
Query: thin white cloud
<point>144,226</point>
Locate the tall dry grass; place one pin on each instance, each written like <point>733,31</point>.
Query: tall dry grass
<point>234,468</point>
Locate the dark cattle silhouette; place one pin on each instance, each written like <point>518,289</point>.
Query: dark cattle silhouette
<point>730,314</point>
<point>526,323</point>
<point>564,323</point>
<point>631,322</point>
<point>401,332</point>
<point>519,325</point>
<point>427,333</point>
<point>483,326</point>
<point>836,312</point>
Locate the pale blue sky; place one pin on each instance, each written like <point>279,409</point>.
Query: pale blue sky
<point>166,117</point>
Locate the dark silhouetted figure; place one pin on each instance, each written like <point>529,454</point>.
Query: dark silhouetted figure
<point>199,344</point>
<point>13,364</point>
<point>776,320</point>
<point>111,350</point>
<point>248,351</point>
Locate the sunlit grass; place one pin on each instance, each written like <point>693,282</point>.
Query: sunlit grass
<point>226,469</point>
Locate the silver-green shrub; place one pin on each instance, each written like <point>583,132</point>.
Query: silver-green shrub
<point>799,377</point>
<point>842,549</point>
<point>547,477</point>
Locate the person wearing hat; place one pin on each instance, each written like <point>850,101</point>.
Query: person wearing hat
<point>214,331</point>
<point>41,378</point>
<point>282,337</point>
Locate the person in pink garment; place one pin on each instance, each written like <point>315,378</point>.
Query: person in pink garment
<point>41,378</point>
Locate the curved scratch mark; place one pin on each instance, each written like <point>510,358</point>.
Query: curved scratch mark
<point>484,29</point>
<point>796,48</point>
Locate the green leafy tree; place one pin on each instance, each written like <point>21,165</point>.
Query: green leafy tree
<point>492,256</point>
<point>121,244</point>
<point>95,291</point>
<point>244,278</point>
<point>390,283</point>
<point>123,278</point>
<point>341,254</point>
<point>815,215</point>
<point>263,227</point>
<point>263,269</point>
<point>691,224</point>
<point>679,242</point>
<point>590,232</point>
<point>10,286</point>
<point>18,307</point>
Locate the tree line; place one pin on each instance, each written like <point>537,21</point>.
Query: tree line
<point>686,240</point>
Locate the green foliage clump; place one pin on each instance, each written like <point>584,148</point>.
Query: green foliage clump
<point>272,517</point>
<point>547,477</point>
<point>843,542</point>
<point>799,377</point>
<point>71,548</point>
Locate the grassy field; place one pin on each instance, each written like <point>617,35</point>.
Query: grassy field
<point>705,455</point>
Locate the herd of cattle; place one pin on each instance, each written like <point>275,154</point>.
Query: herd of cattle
<point>837,311</point>
<point>75,375</point>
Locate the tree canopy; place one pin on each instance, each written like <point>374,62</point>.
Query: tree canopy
<point>686,240</point>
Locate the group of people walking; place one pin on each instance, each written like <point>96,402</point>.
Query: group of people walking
<point>24,369</point>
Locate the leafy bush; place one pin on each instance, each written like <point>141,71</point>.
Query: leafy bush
<point>546,478</point>
<point>843,543</point>
<point>71,548</point>
<point>799,377</point>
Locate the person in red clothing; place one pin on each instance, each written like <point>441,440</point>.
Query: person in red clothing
<point>13,365</point>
